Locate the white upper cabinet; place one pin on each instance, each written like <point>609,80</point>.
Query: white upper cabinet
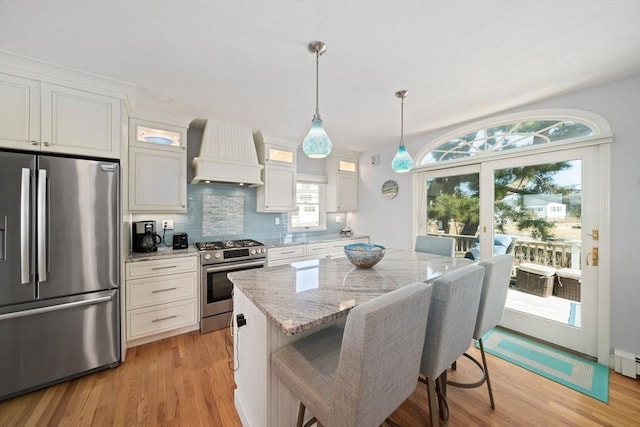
<point>278,194</point>
<point>42,116</point>
<point>157,166</point>
<point>19,112</point>
<point>342,180</point>
<point>79,122</point>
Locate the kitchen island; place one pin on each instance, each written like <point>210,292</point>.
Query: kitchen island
<point>286,303</point>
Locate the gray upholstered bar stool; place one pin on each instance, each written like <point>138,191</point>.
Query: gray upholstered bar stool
<point>439,245</point>
<point>358,376</point>
<point>492,300</point>
<point>454,307</point>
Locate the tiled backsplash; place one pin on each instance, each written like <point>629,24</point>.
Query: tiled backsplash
<point>236,218</point>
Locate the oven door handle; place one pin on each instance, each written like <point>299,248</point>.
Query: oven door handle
<point>234,267</point>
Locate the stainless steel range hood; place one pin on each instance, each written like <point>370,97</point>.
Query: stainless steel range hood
<point>228,155</point>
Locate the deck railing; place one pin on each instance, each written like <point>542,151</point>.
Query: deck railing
<point>554,254</point>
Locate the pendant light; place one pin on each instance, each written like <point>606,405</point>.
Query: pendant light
<point>317,143</point>
<point>402,162</point>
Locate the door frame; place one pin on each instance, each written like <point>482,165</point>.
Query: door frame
<point>603,146</point>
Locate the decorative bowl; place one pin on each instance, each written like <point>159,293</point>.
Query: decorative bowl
<point>364,255</point>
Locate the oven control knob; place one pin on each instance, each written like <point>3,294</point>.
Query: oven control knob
<point>217,255</point>
<point>253,251</point>
<point>207,256</point>
<point>264,250</point>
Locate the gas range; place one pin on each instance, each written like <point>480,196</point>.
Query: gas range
<point>227,251</point>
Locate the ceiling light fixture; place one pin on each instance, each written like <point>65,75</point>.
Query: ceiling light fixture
<point>317,143</point>
<point>402,162</point>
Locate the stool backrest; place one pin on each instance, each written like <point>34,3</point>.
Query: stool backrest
<point>494,292</point>
<point>439,245</point>
<point>380,356</point>
<point>452,317</point>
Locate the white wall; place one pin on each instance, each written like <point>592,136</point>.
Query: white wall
<point>388,222</point>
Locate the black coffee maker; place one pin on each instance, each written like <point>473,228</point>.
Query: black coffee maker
<point>144,237</point>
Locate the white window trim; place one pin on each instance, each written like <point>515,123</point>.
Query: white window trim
<point>321,181</point>
<point>601,129</point>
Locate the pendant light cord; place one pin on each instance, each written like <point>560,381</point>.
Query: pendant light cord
<point>317,116</point>
<point>402,121</point>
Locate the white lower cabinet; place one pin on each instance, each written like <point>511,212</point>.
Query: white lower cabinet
<point>332,248</point>
<point>161,298</point>
<point>294,253</point>
<point>286,255</point>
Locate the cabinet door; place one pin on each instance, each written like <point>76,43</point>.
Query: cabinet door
<point>157,180</point>
<point>19,112</point>
<point>79,122</point>
<point>279,188</point>
<point>347,192</point>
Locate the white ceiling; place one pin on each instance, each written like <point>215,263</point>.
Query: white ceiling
<point>247,62</point>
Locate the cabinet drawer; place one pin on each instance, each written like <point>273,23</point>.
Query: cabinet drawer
<point>319,249</point>
<point>287,252</point>
<point>135,270</point>
<point>157,290</point>
<point>148,321</point>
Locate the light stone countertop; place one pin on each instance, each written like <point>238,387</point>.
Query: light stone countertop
<point>307,294</point>
<point>162,253</point>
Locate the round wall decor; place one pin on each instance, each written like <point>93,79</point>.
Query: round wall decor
<point>389,189</point>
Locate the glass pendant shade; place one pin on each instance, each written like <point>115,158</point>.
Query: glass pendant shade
<point>402,162</point>
<point>316,144</point>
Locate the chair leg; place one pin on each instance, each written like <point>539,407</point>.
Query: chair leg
<point>432,396</point>
<point>486,374</point>
<point>301,410</point>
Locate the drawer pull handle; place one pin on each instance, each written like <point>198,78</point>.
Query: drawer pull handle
<point>165,318</point>
<point>164,268</point>
<point>288,252</point>
<point>163,290</point>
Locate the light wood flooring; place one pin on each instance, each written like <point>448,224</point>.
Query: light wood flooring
<point>186,381</point>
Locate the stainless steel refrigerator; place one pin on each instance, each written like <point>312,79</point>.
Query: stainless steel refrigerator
<point>59,269</point>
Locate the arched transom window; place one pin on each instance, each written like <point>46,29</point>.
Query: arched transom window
<point>510,134</point>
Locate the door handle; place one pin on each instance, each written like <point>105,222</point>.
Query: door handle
<point>25,216</point>
<point>594,257</point>
<point>42,225</point>
<point>58,307</point>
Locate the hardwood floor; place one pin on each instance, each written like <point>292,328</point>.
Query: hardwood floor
<point>186,381</point>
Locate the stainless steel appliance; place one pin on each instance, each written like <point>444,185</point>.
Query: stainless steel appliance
<point>144,237</point>
<point>59,269</point>
<point>218,259</point>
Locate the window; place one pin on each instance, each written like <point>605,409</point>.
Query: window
<point>310,215</point>
<point>516,132</point>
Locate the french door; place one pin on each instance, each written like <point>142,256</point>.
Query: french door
<point>545,209</point>
<point>561,308</point>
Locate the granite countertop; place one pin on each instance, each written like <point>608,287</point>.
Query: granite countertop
<point>294,240</point>
<point>162,253</point>
<point>306,294</point>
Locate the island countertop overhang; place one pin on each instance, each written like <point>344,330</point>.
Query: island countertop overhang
<point>305,295</point>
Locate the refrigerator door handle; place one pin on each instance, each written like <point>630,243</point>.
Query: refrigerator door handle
<point>58,307</point>
<point>42,224</point>
<point>25,214</point>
